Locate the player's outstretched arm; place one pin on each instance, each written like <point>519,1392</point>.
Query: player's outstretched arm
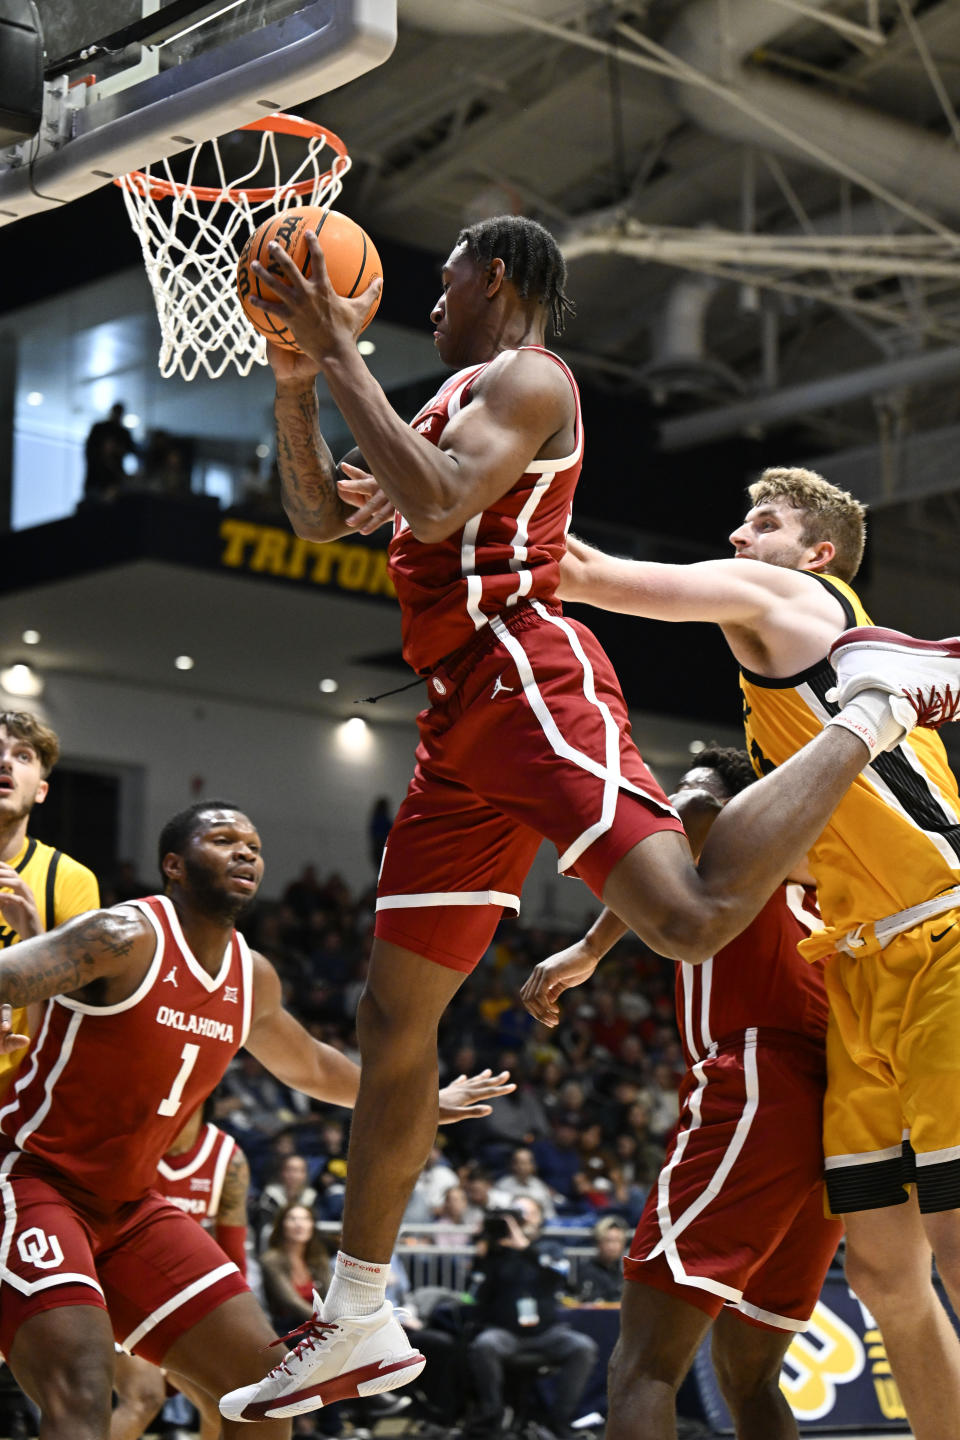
<point>570,967</point>
<point>101,944</point>
<point>291,1053</point>
<point>726,592</point>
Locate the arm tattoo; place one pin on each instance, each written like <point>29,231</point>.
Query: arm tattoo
<point>308,474</point>
<point>68,958</point>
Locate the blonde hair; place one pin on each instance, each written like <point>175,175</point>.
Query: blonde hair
<point>829,513</point>
<point>24,726</point>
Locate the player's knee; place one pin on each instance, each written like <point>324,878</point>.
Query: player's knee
<point>390,1034</point>
<point>80,1386</point>
<point>145,1395</point>
<point>878,1283</point>
<point>685,934</point>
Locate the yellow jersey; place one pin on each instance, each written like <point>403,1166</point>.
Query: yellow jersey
<point>894,839</point>
<point>62,888</point>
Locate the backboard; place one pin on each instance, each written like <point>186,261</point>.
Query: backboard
<point>133,81</point>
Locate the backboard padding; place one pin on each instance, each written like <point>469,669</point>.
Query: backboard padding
<point>275,66</point>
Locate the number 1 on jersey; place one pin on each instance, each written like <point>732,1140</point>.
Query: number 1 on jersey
<point>171,1104</point>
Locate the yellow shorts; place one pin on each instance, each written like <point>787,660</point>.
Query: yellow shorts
<point>891,1115</point>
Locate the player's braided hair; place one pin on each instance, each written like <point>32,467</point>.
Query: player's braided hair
<point>181,828</point>
<point>531,256</point>
<point>733,766</point>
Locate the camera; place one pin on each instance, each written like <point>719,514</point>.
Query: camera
<point>495,1227</point>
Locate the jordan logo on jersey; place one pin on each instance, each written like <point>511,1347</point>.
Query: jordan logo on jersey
<point>499,688</point>
<point>171,977</point>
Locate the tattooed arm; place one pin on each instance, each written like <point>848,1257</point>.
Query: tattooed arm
<point>308,471</point>
<point>111,946</point>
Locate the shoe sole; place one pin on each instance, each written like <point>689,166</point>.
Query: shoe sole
<point>870,637</point>
<point>366,1380</point>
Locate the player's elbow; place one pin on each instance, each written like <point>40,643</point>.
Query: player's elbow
<point>307,527</point>
<point>432,525</point>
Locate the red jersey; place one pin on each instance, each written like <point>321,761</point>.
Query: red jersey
<point>758,980</point>
<point>193,1180</point>
<point>448,590</point>
<point>106,1088</point>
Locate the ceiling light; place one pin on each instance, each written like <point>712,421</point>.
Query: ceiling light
<point>31,637</point>
<point>35,397</point>
<point>696,746</point>
<point>184,662</point>
<point>366,347</point>
<point>131,421</point>
<point>262,451</point>
<point>329,687</point>
<point>354,738</point>
<point>22,680</point>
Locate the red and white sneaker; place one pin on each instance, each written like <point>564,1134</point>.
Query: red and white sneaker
<point>332,1360</point>
<point>922,677</point>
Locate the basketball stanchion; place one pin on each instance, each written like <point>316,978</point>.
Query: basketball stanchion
<point>192,234</point>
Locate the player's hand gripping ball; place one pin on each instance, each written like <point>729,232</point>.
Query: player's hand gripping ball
<point>351,258</point>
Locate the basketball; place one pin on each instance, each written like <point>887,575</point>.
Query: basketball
<point>352,262</point>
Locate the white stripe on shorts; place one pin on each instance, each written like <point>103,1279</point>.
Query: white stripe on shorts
<point>174,1303</point>
<point>609,770</point>
<point>450,897</point>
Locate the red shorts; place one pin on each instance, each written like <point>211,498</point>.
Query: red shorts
<point>737,1216</point>
<point>153,1267</point>
<point>527,736</point>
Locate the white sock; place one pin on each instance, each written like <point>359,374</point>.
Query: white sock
<point>358,1287</point>
<point>870,717</point>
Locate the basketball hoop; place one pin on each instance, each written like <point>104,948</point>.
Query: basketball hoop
<point>192,234</point>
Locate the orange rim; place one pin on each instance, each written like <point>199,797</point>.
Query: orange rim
<point>279,123</point>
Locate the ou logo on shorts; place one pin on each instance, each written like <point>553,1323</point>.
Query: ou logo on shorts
<point>38,1248</point>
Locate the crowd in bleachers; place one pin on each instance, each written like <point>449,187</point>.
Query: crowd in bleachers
<point>584,1132</point>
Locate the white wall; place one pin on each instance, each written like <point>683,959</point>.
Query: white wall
<point>309,793</point>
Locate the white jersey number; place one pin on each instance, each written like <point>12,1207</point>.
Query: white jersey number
<point>171,1104</point>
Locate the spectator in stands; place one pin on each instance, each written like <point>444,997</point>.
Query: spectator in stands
<point>519,1118</point>
<point>648,1154</point>
<point>291,1187</point>
<point>664,1100</point>
<point>108,444</point>
<point>477,1185</point>
<point>433,1182</point>
<point>451,1231</point>
<point>523,1179</point>
<point>294,1264</point>
<point>601,1278</point>
<point>517,1280</point>
<point>558,1155</point>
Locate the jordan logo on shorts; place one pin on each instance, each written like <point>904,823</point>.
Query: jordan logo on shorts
<point>499,686</point>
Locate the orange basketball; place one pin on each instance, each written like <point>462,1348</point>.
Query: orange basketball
<point>352,262</point>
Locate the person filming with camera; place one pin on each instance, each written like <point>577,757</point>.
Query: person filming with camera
<point>517,1281</point>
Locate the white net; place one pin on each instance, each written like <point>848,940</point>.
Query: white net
<point>192,234</point>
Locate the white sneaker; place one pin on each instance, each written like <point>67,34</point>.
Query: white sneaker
<point>921,676</point>
<point>333,1360</point>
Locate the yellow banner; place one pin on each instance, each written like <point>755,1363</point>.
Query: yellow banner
<point>269,550</point>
